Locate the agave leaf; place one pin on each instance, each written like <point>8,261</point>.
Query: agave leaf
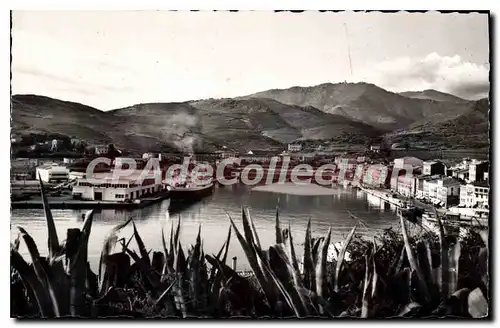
<point>366,285</point>
<point>76,254</point>
<point>33,285</point>
<point>228,241</point>
<point>425,261</point>
<point>410,310</point>
<point>279,233</point>
<point>255,264</point>
<point>83,240</point>
<point>254,230</point>
<point>164,243</point>
<point>321,266</point>
<point>247,230</point>
<point>226,271</point>
<point>145,269</point>
<point>42,276</point>
<point>165,292</point>
<point>453,257</point>
<point>484,237</point>
<point>374,275</point>
<point>443,270</point>
<point>177,232</point>
<point>140,244</point>
<point>309,272</point>
<point>53,241</point>
<point>197,280</point>
<point>413,262</point>
<point>293,260</point>
<point>109,244</point>
<point>478,306</point>
<point>224,248</point>
<point>171,241</point>
<point>16,242</point>
<point>340,260</point>
<point>289,294</point>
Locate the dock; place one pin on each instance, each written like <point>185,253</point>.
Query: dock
<point>386,196</point>
<point>70,203</point>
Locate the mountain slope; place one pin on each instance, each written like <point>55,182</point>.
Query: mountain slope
<point>470,128</point>
<point>367,103</point>
<point>39,114</point>
<point>199,125</point>
<point>431,94</point>
<point>342,113</point>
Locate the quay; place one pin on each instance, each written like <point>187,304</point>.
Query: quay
<point>386,196</point>
<point>70,203</point>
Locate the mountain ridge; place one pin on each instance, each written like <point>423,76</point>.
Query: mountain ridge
<point>342,113</point>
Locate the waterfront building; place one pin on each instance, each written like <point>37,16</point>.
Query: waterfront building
<point>475,194</point>
<point>149,155</point>
<point>462,174</point>
<point>408,161</point>
<point>101,149</point>
<point>52,173</point>
<point>67,160</point>
<point>225,153</point>
<point>73,175</point>
<point>344,163</point>
<point>377,175</point>
<point>105,187</point>
<point>433,167</point>
<point>294,147</point>
<point>444,190</point>
<point>477,170</point>
<point>407,185</point>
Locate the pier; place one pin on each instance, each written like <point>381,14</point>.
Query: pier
<point>70,203</point>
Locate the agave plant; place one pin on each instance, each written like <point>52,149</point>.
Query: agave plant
<point>398,275</point>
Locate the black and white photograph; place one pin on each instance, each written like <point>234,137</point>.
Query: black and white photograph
<point>267,164</point>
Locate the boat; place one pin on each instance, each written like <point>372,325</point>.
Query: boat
<point>190,193</point>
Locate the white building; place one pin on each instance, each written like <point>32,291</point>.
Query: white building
<point>444,190</point>
<point>101,149</point>
<point>477,169</point>
<point>52,173</point>
<point>475,195</point>
<point>408,161</point>
<point>151,155</point>
<point>294,147</point>
<point>104,187</point>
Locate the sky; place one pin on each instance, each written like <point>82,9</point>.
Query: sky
<point>114,59</point>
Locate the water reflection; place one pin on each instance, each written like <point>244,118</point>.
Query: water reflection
<point>211,214</point>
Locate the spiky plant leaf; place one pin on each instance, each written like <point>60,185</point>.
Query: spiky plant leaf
<point>413,262</point>
<point>254,230</point>
<point>140,244</point>
<point>108,246</point>
<point>33,285</point>
<point>321,265</point>
<point>340,260</point>
<point>309,271</point>
<point>43,277</point>
<point>53,240</point>
<point>279,233</point>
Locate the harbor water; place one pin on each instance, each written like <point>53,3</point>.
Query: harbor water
<point>324,209</point>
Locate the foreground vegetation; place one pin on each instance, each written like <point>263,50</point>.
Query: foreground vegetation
<point>394,275</point>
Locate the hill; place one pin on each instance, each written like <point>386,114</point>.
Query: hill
<point>368,103</point>
<point>432,95</point>
<point>470,128</point>
<point>345,113</point>
<point>198,125</point>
